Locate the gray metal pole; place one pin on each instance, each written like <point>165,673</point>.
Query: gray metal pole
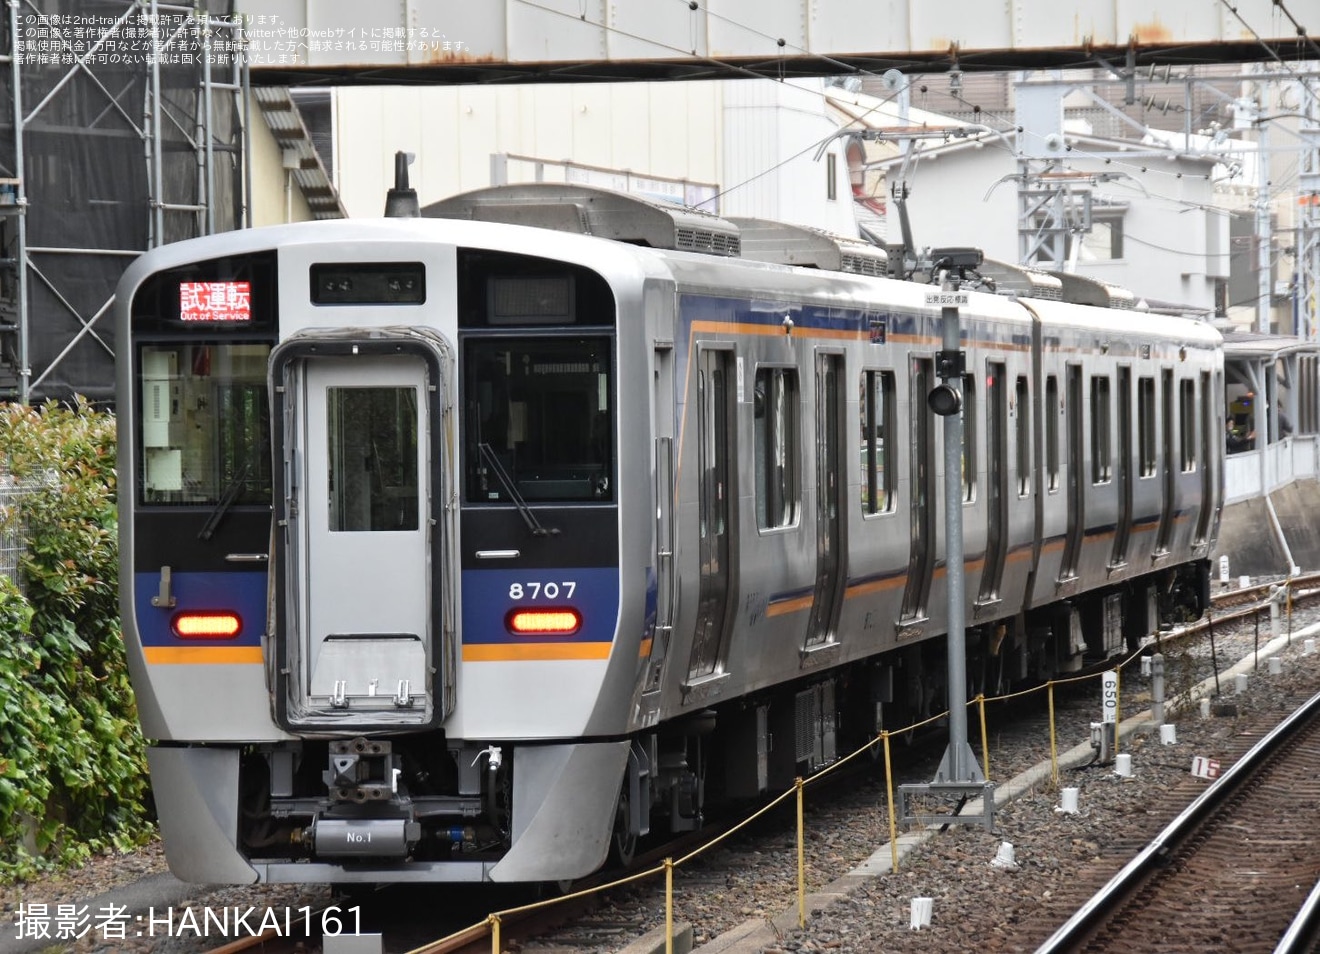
<point>157,160</point>
<point>953,549</point>
<point>244,79</point>
<point>959,764</point>
<point>208,122</point>
<point>20,253</point>
<point>1264,239</point>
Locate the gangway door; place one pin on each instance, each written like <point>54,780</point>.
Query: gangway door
<point>358,632</point>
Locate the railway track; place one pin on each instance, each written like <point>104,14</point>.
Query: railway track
<point>1233,869</point>
<point>594,922</point>
<point>1246,601</point>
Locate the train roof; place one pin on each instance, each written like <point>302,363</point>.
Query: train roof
<point>1253,344</point>
<point>764,240</point>
<point>566,207</point>
<point>1127,323</point>
<point>637,220</point>
<point>698,250</point>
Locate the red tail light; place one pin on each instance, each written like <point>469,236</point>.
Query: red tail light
<point>543,621</point>
<point>206,624</point>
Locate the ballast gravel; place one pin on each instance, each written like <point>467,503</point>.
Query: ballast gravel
<point>741,897</point>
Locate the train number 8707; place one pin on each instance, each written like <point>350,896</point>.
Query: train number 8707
<point>537,589</point>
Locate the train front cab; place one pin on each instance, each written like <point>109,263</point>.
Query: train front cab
<point>447,618</point>
<point>370,731</point>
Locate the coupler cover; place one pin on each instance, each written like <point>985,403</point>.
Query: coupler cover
<point>365,837</point>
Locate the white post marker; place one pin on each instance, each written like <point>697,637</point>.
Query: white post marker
<point>1109,696</point>
<point>921,912</point>
<point>1123,764</point>
<point>1168,734</point>
<point>1069,803</point>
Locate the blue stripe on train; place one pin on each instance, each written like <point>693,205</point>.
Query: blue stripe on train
<point>242,592</point>
<point>488,596</point>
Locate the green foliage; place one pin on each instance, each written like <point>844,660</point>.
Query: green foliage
<point>73,776</point>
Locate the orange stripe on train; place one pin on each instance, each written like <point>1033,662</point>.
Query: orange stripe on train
<point>506,652</point>
<point>197,655</point>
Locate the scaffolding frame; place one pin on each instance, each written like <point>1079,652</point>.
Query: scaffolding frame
<point>1308,218</point>
<point>172,30</point>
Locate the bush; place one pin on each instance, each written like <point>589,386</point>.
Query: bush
<point>73,776</point>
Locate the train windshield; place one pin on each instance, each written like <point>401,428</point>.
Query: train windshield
<point>205,436</point>
<point>539,423</point>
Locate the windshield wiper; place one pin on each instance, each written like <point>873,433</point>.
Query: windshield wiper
<point>232,490</point>
<point>534,525</point>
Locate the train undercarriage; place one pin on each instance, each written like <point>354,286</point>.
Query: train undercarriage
<point>424,799</point>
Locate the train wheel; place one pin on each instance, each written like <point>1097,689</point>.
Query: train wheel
<point>623,841</point>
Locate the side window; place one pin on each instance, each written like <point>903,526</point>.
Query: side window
<point>1146,426</point>
<point>1022,437</point>
<point>969,438</point>
<point>204,424</point>
<point>1187,425</point>
<point>777,447</point>
<point>538,422</point>
<point>878,449</point>
<point>1101,453</point>
<point>1051,413</point>
<point>373,458</point>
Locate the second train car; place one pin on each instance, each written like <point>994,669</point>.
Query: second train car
<point>463,550</point>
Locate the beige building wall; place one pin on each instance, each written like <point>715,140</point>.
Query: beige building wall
<point>276,199</point>
<point>669,130</point>
<point>763,145</point>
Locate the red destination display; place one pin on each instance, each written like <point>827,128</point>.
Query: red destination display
<point>215,301</point>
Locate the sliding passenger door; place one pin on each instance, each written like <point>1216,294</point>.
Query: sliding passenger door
<point>921,562</point>
<point>996,408</point>
<point>1169,475</point>
<point>1207,458</point>
<point>1072,544</point>
<point>1123,526</point>
<point>715,491</point>
<point>830,572</point>
<point>662,400</point>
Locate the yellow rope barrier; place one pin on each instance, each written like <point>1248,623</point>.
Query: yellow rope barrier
<point>889,788</point>
<point>1054,741</point>
<point>802,858</point>
<point>985,738</point>
<point>669,906</point>
<point>736,828</point>
<point>494,920</point>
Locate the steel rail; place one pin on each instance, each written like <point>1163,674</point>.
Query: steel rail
<point>1302,934</point>
<point>1102,903</point>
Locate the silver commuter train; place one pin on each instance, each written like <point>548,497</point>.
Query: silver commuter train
<point>466,550</point>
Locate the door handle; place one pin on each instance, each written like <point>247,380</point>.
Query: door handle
<point>164,599</point>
